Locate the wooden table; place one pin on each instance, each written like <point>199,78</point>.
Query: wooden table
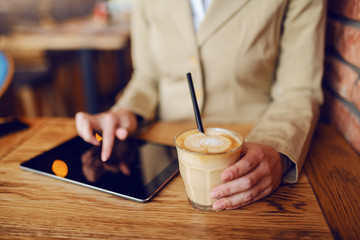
<point>37,207</point>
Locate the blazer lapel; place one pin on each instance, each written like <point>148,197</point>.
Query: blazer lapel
<point>219,13</point>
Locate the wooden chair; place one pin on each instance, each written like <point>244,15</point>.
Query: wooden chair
<point>33,83</point>
<point>6,71</point>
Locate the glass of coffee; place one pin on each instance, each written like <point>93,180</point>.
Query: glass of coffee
<point>202,159</point>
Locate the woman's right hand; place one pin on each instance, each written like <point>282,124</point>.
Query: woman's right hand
<point>119,123</point>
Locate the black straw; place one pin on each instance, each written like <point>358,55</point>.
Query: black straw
<point>195,104</point>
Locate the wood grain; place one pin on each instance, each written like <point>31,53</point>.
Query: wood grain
<point>10,141</point>
<point>38,207</point>
<point>333,169</point>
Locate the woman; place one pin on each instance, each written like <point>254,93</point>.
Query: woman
<point>251,61</point>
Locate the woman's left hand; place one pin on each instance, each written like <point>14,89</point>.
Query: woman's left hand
<point>256,175</point>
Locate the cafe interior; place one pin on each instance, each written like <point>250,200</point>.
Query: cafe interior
<point>59,57</point>
<point>67,56</point>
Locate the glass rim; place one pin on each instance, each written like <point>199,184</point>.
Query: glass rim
<point>237,135</point>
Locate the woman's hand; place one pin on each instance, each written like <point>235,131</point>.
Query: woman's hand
<point>257,174</point>
<point>118,123</point>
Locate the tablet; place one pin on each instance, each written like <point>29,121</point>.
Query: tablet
<point>136,169</point>
<point>10,125</point>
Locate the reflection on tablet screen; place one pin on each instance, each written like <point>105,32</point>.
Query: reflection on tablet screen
<point>136,169</point>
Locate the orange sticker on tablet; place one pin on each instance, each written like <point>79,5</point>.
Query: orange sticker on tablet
<point>98,137</point>
<point>60,168</point>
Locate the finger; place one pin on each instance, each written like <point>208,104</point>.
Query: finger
<point>249,162</point>
<point>84,127</point>
<point>125,121</point>
<point>127,125</point>
<point>263,194</point>
<point>128,120</point>
<point>238,185</point>
<point>109,125</point>
<point>244,198</point>
<point>121,133</point>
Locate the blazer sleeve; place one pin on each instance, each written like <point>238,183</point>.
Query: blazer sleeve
<point>290,120</point>
<point>141,93</point>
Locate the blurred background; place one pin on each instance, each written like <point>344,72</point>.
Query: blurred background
<point>66,55</point>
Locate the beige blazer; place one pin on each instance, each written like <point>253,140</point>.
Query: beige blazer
<point>252,61</point>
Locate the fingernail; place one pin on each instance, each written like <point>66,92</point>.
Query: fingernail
<point>214,194</point>
<point>219,205</point>
<point>104,157</point>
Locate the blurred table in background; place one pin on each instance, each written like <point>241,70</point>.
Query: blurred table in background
<point>70,35</point>
<point>84,35</point>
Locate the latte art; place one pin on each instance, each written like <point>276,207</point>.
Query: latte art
<point>213,141</point>
<point>200,142</point>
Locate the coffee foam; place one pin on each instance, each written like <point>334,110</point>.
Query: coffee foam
<point>212,141</point>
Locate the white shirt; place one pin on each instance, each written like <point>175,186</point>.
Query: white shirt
<point>198,9</point>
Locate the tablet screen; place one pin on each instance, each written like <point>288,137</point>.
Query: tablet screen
<point>136,169</point>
